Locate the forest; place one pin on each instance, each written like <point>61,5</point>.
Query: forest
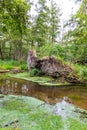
<point>38,49</point>
<point>21,31</point>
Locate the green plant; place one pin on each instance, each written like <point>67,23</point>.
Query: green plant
<point>35,72</point>
<point>84,71</point>
<point>81,70</point>
<point>75,97</point>
<point>23,66</point>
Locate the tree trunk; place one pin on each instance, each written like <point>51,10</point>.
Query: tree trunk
<point>1,54</point>
<point>20,49</point>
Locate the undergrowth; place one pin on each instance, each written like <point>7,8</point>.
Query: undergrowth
<point>11,64</point>
<point>81,71</point>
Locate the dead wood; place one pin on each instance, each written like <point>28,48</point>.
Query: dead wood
<point>52,66</point>
<point>4,71</point>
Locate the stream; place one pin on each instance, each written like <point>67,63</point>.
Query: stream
<point>72,94</point>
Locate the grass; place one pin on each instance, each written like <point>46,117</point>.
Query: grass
<point>4,65</point>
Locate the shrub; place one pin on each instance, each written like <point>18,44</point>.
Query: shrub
<point>23,66</point>
<point>35,72</point>
<point>81,70</point>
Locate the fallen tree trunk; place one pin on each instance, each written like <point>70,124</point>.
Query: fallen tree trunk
<point>53,67</point>
<point>4,71</point>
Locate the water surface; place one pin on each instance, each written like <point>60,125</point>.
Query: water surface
<point>73,94</point>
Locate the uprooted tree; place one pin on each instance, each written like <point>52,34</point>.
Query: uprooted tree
<point>52,66</point>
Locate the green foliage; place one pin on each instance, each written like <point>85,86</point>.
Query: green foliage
<point>8,64</point>
<point>81,70</point>
<point>35,72</point>
<point>23,67</point>
<point>46,23</point>
<point>18,34</point>
<point>49,50</point>
<point>77,37</point>
<point>40,27</point>
<point>75,53</point>
<point>64,52</point>
<point>13,64</point>
<point>54,28</point>
<point>85,72</point>
<point>13,26</point>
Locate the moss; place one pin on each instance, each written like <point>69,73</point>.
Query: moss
<point>27,113</point>
<point>3,76</point>
<point>76,125</point>
<point>76,97</point>
<point>54,84</point>
<point>44,80</point>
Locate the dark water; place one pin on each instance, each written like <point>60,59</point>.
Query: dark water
<point>72,94</point>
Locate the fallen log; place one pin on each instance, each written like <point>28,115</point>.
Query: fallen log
<point>52,66</point>
<point>4,71</point>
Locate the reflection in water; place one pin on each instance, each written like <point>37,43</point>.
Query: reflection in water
<point>72,94</point>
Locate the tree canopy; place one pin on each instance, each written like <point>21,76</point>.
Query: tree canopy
<point>20,30</point>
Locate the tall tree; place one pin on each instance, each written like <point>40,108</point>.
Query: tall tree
<point>14,23</point>
<point>40,28</point>
<point>46,24</point>
<point>78,36</point>
<point>54,21</point>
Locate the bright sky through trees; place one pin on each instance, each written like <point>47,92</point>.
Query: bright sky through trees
<point>68,7</point>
